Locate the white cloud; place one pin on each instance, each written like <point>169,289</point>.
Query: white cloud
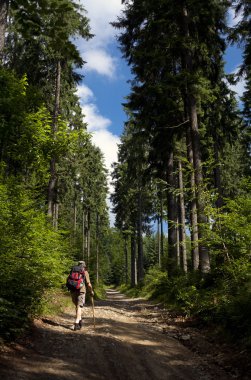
<point>111,214</point>
<point>98,125</point>
<point>94,119</point>
<point>108,143</point>
<point>101,13</point>
<point>105,141</point>
<point>239,87</point>
<point>233,19</point>
<point>100,61</point>
<point>95,51</point>
<point>84,93</point>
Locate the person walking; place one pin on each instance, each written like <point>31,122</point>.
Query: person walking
<point>78,282</point>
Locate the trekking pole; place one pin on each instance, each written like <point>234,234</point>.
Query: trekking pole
<point>93,311</point>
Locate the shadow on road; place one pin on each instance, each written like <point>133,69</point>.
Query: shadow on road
<point>121,347</point>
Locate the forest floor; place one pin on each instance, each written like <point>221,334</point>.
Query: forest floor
<point>133,339</point>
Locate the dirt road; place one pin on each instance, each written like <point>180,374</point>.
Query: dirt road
<point>126,344</point>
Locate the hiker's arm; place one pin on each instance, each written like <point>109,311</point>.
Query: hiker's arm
<point>88,283</point>
<point>90,288</point>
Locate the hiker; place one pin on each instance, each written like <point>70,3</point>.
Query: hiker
<point>77,282</point>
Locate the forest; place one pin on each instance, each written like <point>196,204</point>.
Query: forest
<point>182,185</point>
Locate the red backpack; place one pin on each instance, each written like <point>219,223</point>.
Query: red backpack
<point>76,278</point>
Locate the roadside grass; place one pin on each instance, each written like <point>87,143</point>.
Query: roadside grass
<point>54,302</point>
<point>215,301</point>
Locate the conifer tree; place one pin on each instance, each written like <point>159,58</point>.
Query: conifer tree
<point>172,51</point>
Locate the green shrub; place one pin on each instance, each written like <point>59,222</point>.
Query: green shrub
<point>32,258</point>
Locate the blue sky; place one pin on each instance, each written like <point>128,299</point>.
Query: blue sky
<point>105,85</point>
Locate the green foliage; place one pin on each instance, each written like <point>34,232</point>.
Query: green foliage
<point>114,269</point>
<point>222,297</point>
<point>100,291</point>
<point>155,279</point>
<point>235,316</point>
<point>32,258</point>
<point>229,237</point>
<point>38,143</point>
<point>12,111</point>
<point>150,256</point>
<point>54,302</point>
<point>35,258</point>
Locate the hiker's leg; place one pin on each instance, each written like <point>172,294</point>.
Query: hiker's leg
<point>78,314</point>
<point>81,302</point>
<point>74,298</point>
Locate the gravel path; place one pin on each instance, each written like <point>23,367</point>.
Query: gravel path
<point>128,343</point>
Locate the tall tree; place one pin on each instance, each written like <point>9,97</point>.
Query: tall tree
<point>3,24</point>
<point>172,51</point>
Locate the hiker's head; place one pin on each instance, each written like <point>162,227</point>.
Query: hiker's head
<point>82,263</point>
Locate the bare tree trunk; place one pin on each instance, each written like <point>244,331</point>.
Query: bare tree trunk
<point>217,175</point>
<point>52,194</point>
<point>193,211</point>
<point>182,220</point>
<point>4,5</point>
<point>97,248</point>
<point>133,260</point>
<point>135,269</point>
<point>126,259</point>
<point>74,218</point>
<point>83,234</point>
<point>55,219</point>
<point>158,241</point>
<point>74,223</point>
<point>88,235</point>
<point>140,241</point>
<point>172,215</point>
<point>195,138</point>
<point>203,251</point>
<point>178,242</point>
<point>51,188</point>
<point>161,230</point>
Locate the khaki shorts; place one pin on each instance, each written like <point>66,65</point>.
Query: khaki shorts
<point>78,298</point>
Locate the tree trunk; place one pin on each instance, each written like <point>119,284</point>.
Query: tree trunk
<point>195,137</point>
<point>4,4</point>
<point>55,219</point>
<point>172,215</point>
<point>158,241</point>
<point>52,193</point>
<point>133,261</point>
<point>88,235</point>
<point>97,248</point>
<point>83,234</point>
<point>51,188</point>
<point>217,175</point>
<point>203,251</point>
<point>75,218</point>
<point>161,230</point>
<point>182,221</point>
<point>193,210</point>
<point>126,259</point>
<point>178,242</point>
<point>140,241</point>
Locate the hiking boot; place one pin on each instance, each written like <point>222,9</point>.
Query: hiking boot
<point>76,327</point>
<point>80,324</point>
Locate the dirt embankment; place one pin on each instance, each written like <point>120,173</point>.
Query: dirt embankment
<point>133,339</point>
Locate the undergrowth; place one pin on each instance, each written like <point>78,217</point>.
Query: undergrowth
<point>221,298</point>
